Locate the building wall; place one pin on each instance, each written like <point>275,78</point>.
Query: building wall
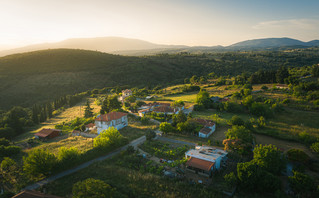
<point>118,124</point>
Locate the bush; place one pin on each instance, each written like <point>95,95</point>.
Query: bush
<point>166,127</point>
<point>315,147</point>
<point>39,163</point>
<point>239,132</point>
<point>236,120</point>
<point>145,120</point>
<point>4,142</point>
<point>92,188</point>
<point>302,184</point>
<point>68,156</point>
<point>109,139</point>
<point>269,157</point>
<point>6,151</point>
<point>264,87</point>
<point>297,155</point>
<point>150,135</point>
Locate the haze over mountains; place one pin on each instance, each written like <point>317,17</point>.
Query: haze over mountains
<point>127,46</point>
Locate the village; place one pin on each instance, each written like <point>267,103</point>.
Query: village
<point>165,135</point>
<point>202,161</point>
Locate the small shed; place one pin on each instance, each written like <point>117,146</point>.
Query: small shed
<point>47,134</point>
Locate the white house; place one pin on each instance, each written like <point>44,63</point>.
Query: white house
<point>112,119</point>
<point>204,160</point>
<point>208,129</point>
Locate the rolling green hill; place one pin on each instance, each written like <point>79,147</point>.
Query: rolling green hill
<point>45,75</point>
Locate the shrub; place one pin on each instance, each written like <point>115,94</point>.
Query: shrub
<point>68,155</point>
<point>297,155</point>
<point>269,157</point>
<point>39,163</point>
<point>166,127</point>
<point>239,132</point>
<point>264,87</point>
<point>302,184</point>
<point>315,147</point>
<point>109,138</point>
<point>150,134</point>
<point>93,188</point>
<point>236,120</point>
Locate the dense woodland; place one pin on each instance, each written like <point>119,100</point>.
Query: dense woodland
<point>43,76</point>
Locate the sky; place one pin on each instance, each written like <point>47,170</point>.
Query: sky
<point>179,22</point>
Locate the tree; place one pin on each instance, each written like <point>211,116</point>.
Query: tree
<point>178,118</point>
<point>269,157</point>
<point>297,155</point>
<point>254,178</point>
<point>203,98</point>
<point>68,156</point>
<point>92,188</point>
<point>166,127</point>
<point>236,120</point>
<point>230,179</point>
<point>105,106</point>
<point>248,101</point>
<point>239,132</point>
<point>150,134</point>
<point>315,70</point>
<point>178,103</point>
<point>4,142</point>
<point>113,103</point>
<point>193,80</point>
<point>39,163</point>
<point>88,110</point>
<point>315,147</point>
<point>281,74</point>
<point>10,173</point>
<point>302,184</point>
<point>109,138</point>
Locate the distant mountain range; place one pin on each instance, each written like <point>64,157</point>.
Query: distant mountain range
<point>126,46</point>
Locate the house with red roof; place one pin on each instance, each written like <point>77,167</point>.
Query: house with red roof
<point>45,134</point>
<point>113,119</point>
<point>204,160</point>
<point>208,127</point>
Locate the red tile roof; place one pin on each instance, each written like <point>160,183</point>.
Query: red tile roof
<point>204,122</point>
<point>46,132</point>
<point>200,164</point>
<point>33,194</point>
<point>127,91</point>
<point>111,116</point>
<point>90,125</point>
<point>205,130</point>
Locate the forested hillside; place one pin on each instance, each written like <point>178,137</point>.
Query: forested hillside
<point>41,76</point>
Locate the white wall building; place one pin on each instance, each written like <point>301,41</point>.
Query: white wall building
<point>113,119</point>
<point>204,160</point>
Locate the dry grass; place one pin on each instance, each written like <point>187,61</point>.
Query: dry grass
<point>83,144</point>
<point>66,116</point>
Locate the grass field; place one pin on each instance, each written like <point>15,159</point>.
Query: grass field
<point>83,144</point>
<point>129,182</point>
<point>66,116</point>
<point>187,97</point>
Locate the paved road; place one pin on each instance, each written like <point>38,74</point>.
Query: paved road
<point>82,166</point>
<point>175,141</point>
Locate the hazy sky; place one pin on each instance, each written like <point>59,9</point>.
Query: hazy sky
<point>189,22</point>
